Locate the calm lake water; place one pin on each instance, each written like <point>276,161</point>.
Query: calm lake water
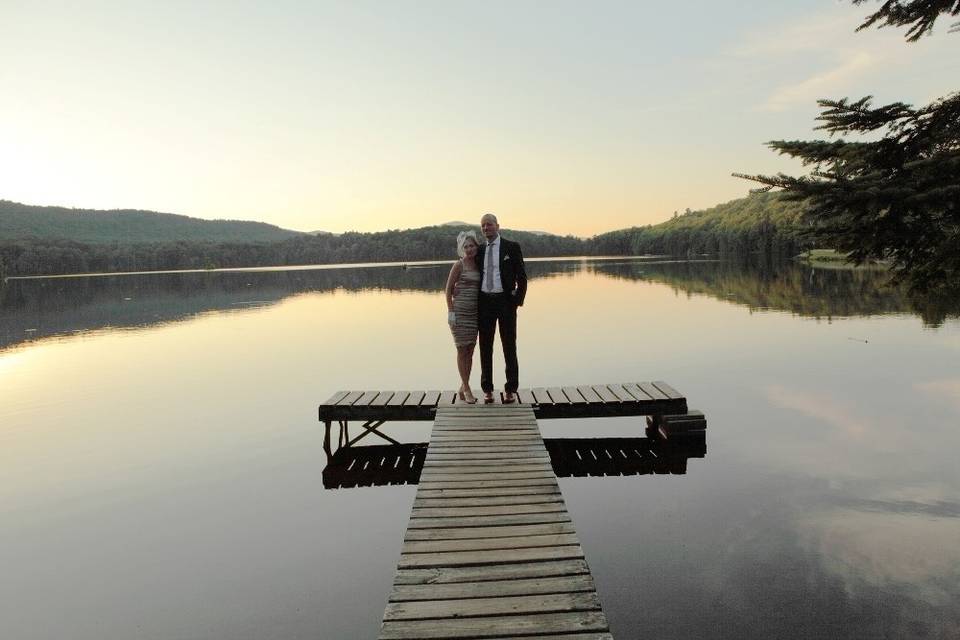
<point>161,462</point>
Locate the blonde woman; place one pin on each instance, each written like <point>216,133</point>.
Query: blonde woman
<point>462,290</point>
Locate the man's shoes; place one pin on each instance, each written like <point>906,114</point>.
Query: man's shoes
<point>509,397</point>
<point>487,397</point>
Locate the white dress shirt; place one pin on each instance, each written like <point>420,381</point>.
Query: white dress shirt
<point>497,283</point>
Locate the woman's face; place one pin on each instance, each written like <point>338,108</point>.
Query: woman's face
<point>470,249</point>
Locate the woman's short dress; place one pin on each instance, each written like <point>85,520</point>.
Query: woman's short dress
<point>465,306</point>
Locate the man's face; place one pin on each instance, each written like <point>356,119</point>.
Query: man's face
<point>489,228</point>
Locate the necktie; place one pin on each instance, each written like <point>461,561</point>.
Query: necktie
<point>488,271</point>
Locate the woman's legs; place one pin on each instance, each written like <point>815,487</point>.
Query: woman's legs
<point>468,365</point>
<point>463,364</point>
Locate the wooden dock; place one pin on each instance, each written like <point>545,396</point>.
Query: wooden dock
<point>584,401</point>
<point>490,550</point>
<point>374,408</point>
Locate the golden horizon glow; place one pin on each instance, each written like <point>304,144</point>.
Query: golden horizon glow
<point>369,117</point>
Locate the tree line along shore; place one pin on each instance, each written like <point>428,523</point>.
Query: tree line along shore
<point>760,223</point>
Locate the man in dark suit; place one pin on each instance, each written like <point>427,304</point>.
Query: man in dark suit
<point>503,285</point>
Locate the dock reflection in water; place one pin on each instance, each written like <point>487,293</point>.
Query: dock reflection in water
<point>394,464</point>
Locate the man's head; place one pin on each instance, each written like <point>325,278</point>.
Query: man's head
<point>489,226</point>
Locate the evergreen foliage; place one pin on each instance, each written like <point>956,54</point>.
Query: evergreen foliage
<point>763,223</point>
<point>49,257</point>
<point>896,198</point>
<point>919,15</point>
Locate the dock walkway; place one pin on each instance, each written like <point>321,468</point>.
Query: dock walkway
<point>490,550</point>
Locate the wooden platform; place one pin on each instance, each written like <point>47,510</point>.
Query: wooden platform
<point>490,550</point>
<point>584,401</point>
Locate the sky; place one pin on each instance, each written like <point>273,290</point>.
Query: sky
<point>569,117</point>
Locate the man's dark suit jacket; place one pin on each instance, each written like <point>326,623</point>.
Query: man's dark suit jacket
<point>513,275</point>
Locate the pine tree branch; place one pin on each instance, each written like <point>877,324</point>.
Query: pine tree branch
<point>918,15</point>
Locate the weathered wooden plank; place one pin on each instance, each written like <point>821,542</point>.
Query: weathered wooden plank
<point>491,492</point>
<point>430,399</point>
<point>508,421</point>
<point>525,441</point>
<point>527,586</point>
<point>488,521</point>
<point>567,636</point>
<point>480,544</point>
<point>604,393</point>
<point>541,396</point>
<point>525,396</point>
<point>366,398</point>
<point>557,395</point>
<point>335,398</point>
<point>481,423</point>
<point>487,410</point>
<point>512,423</point>
<point>493,626</point>
<point>382,398</point>
<point>573,395</point>
<point>481,501</point>
<point>622,394</point>
<point>479,482</point>
<point>456,575</point>
<point>349,399</point>
<point>439,451</point>
<point>496,460</point>
<point>487,437</point>
<point>667,390</point>
<point>414,399</point>
<point>508,605</point>
<point>652,391</point>
<point>513,471</point>
<point>500,439</point>
<point>489,432</point>
<point>488,459</point>
<point>639,394</point>
<point>490,532</point>
<point>500,556</point>
<point>487,429</point>
<point>447,398</point>
<point>398,399</point>
<point>494,510</point>
<point>590,395</point>
<point>440,448</point>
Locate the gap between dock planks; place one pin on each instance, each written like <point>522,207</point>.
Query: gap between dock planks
<point>490,550</point>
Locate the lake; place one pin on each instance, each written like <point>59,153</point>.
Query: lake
<point>161,461</point>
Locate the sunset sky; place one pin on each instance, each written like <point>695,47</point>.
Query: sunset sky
<point>570,117</point>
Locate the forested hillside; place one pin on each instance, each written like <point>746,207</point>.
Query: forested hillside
<point>759,223</point>
<point>762,223</point>
<point>47,257</point>
<point>21,221</point>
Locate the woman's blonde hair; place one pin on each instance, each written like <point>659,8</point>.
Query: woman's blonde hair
<point>462,238</point>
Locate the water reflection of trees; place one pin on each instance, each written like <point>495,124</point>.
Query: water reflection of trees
<point>786,286</point>
<point>32,309</point>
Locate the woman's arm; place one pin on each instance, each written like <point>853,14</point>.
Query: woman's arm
<point>452,280</point>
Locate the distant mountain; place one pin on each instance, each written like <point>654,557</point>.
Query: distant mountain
<point>127,226</point>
